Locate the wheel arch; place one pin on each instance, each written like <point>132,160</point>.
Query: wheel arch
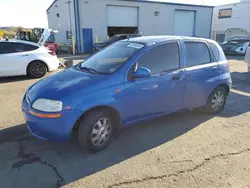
<point>113,112</point>
<point>36,60</point>
<point>225,86</point>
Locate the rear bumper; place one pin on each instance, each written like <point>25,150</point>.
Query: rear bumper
<point>52,63</point>
<point>57,129</point>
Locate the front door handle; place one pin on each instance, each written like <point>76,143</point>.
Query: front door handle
<point>25,55</point>
<point>176,77</point>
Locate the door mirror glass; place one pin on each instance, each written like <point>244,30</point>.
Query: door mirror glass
<point>142,72</point>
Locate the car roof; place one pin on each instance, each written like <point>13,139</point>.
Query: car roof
<point>118,35</point>
<point>20,41</point>
<point>151,40</point>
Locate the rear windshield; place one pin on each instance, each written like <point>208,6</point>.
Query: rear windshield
<point>112,58</point>
<point>51,39</point>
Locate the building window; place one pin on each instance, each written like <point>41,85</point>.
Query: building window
<point>68,35</point>
<point>225,13</point>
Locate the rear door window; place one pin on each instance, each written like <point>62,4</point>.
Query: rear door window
<point>197,53</point>
<point>161,58</point>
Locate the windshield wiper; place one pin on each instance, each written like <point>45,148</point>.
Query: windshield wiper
<point>88,69</point>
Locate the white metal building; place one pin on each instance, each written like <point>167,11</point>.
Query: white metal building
<point>99,19</point>
<point>229,16</point>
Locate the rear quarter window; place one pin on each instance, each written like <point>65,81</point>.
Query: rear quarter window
<point>215,51</point>
<point>21,47</point>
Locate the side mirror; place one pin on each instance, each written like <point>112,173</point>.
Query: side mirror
<point>142,72</point>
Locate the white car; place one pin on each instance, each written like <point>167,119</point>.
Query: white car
<point>26,58</point>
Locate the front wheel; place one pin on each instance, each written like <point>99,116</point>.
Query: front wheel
<point>216,101</point>
<point>95,131</point>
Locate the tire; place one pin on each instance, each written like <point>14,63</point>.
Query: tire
<point>215,104</point>
<point>90,130</point>
<point>36,69</point>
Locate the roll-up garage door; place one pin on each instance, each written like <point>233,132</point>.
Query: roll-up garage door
<point>184,22</point>
<point>120,16</point>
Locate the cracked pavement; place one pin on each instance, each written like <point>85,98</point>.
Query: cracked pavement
<point>187,149</point>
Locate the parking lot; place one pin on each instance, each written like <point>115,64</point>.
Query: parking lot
<point>187,149</point>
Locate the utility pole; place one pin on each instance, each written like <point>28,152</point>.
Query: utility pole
<point>70,23</point>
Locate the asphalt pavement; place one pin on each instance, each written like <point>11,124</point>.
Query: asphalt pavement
<point>187,149</point>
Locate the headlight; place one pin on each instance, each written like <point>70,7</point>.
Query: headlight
<point>47,105</point>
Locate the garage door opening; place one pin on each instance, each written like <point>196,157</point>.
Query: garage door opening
<point>121,30</point>
<point>122,20</point>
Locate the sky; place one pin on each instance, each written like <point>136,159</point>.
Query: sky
<point>32,13</point>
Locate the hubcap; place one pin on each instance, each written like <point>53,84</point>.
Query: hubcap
<point>37,69</point>
<point>101,132</point>
<point>218,100</point>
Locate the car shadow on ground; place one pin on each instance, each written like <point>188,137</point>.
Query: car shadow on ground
<point>14,79</point>
<point>69,162</point>
<point>238,101</point>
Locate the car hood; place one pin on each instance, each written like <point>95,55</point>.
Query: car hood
<point>101,44</point>
<point>62,84</point>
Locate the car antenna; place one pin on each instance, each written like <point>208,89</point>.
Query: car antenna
<point>133,33</point>
<point>138,27</point>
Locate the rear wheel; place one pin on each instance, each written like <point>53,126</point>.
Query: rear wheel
<point>95,131</point>
<point>36,69</point>
<point>216,101</point>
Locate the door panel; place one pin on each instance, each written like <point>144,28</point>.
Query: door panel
<point>14,58</point>
<point>157,95</point>
<point>87,40</point>
<point>162,92</point>
<point>13,64</point>
<point>202,74</point>
<point>201,80</point>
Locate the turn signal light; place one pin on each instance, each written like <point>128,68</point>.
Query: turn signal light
<point>49,116</point>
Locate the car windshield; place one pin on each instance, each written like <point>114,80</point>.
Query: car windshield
<point>112,58</point>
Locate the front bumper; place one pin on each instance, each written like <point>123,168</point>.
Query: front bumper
<point>233,52</point>
<point>57,129</point>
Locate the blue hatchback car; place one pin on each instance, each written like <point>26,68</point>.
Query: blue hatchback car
<point>130,81</point>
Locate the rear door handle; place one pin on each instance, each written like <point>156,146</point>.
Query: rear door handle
<point>176,77</point>
<point>214,68</point>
